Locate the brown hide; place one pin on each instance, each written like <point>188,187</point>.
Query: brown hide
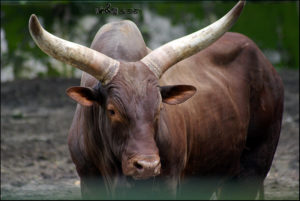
<point>228,129</point>
<point>227,74</point>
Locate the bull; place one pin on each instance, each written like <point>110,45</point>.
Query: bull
<point>193,116</point>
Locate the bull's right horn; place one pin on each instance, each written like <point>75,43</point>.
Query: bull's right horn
<point>162,58</point>
<point>86,59</point>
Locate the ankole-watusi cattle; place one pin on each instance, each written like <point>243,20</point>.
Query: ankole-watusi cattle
<point>198,116</point>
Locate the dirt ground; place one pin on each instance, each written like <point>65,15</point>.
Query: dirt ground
<point>35,161</point>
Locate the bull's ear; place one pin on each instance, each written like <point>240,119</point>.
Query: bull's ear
<point>83,95</point>
<point>176,94</point>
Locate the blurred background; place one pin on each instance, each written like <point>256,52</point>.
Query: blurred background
<point>272,25</point>
<point>36,113</point>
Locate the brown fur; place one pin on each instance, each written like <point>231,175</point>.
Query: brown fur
<point>227,132</point>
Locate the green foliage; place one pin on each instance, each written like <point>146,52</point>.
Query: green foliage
<point>272,25</point>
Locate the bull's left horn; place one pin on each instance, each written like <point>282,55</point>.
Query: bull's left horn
<point>95,63</point>
<point>162,58</point>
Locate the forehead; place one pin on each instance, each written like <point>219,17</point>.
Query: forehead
<point>135,92</point>
<point>134,81</point>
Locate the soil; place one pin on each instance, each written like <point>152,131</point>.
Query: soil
<point>35,162</point>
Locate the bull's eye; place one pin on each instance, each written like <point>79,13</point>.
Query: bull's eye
<point>111,112</point>
<point>111,109</point>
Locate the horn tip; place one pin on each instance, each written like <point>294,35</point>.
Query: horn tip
<point>32,16</point>
<point>243,2</point>
<point>238,8</point>
<point>34,25</point>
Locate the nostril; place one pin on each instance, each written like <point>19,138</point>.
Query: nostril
<point>138,166</point>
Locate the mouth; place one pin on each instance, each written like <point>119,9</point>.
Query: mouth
<point>134,176</point>
<point>140,182</point>
<point>143,176</point>
<point>137,177</point>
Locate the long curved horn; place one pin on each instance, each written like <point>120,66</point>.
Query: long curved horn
<point>162,58</point>
<point>86,59</point>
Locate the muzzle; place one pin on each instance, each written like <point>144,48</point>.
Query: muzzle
<point>142,166</point>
